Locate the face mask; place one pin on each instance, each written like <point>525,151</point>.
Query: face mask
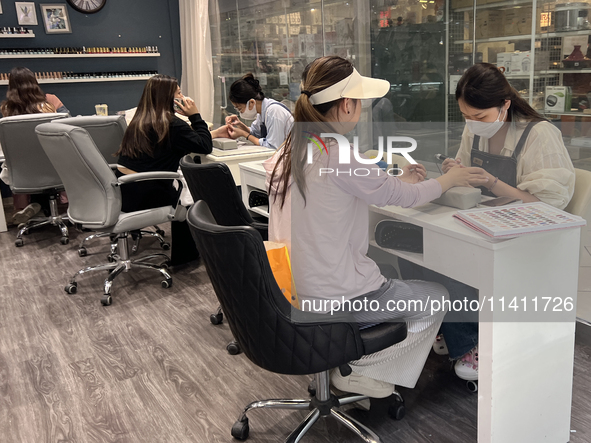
<point>485,129</point>
<point>249,114</point>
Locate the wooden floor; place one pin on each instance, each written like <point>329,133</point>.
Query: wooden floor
<point>151,367</point>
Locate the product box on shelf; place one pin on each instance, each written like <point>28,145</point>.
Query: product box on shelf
<point>517,21</point>
<point>489,23</point>
<point>576,126</point>
<point>519,63</point>
<point>557,99</point>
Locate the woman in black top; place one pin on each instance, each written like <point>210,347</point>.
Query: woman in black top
<point>156,140</point>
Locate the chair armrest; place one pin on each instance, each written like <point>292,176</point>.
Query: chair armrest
<point>141,176</point>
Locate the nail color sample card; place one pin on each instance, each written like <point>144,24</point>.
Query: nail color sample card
<point>518,219</point>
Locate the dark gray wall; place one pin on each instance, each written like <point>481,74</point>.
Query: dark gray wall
<point>120,23</point>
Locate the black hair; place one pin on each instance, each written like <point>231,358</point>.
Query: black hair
<point>246,89</point>
<point>483,86</point>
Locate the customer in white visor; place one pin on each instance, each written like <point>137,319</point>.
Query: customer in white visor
<point>323,219</point>
<point>272,119</point>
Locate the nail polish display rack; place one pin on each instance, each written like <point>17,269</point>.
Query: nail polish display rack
<point>85,77</point>
<point>73,52</point>
<point>16,32</point>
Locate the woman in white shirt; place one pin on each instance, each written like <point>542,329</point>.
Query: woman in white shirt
<point>323,218</point>
<point>524,158</point>
<point>272,119</point>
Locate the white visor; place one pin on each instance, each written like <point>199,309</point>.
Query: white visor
<point>354,86</point>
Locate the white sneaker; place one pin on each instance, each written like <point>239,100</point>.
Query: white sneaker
<point>439,345</point>
<point>467,367</point>
<point>360,384</point>
<point>29,212</point>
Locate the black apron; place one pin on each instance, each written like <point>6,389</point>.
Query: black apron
<point>501,166</point>
<point>264,131</point>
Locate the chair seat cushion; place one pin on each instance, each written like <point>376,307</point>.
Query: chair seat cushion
<point>129,221</point>
<point>382,336</point>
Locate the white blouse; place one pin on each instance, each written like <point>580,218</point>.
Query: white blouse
<point>544,168</point>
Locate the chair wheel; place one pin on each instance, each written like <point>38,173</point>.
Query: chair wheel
<point>165,246</point>
<point>19,242</point>
<point>240,430</point>
<point>216,319</point>
<point>64,240</point>
<point>71,288</point>
<point>397,411</point>
<point>233,348</point>
<point>106,300</point>
<point>160,232</point>
<point>82,252</point>
<point>166,283</point>
<point>312,388</point>
<point>472,385</point>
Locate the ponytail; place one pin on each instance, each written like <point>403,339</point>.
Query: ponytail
<point>318,75</point>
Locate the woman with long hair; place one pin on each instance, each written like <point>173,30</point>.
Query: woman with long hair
<point>156,139</point>
<point>25,96</point>
<point>323,219</point>
<point>524,158</point>
<point>272,119</point>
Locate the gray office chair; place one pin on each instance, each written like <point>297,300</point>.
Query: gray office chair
<point>107,133</point>
<point>95,200</point>
<point>30,170</point>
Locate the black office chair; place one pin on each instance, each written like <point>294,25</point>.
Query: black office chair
<point>276,336</point>
<point>214,184</point>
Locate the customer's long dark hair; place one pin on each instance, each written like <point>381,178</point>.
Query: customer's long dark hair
<point>483,86</point>
<point>246,89</point>
<point>24,95</point>
<point>318,75</point>
<point>152,118</point>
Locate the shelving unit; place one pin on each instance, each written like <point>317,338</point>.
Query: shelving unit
<point>17,35</point>
<point>87,80</point>
<point>114,55</point>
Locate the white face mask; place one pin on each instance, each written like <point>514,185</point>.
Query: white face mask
<point>249,114</point>
<point>486,129</point>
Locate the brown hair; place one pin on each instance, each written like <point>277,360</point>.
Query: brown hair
<point>24,96</point>
<point>152,118</point>
<point>318,75</point>
<point>483,86</point>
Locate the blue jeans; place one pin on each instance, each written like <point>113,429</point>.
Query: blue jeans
<point>460,328</point>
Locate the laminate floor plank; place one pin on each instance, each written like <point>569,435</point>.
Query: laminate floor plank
<point>151,368</point>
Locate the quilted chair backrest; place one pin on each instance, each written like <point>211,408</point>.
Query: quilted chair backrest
<point>106,130</point>
<point>29,168</point>
<point>259,316</point>
<point>213,183</point>
<point>94,201</point>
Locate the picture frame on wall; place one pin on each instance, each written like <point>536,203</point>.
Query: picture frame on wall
<point>26,13</point>
<point>55,18</point>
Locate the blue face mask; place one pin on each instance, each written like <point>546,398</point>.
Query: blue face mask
<point>486,129</point>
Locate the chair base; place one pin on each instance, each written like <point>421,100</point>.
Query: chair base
<point>55,219</point>
<point>120,262</point>
<point>158,234</point>
<point>323,404</point>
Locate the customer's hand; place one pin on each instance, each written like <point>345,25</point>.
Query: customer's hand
<point>221,132</point>
<point>413,173</point>
<point>187,106</point>
<point>463,177</point>
<point>449,163</point>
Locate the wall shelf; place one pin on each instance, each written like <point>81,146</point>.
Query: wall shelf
<point>17,35</point>
<point>494,39</point>
<point>566,71</point>
<point>115,55</point>
<point>86,80</point>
